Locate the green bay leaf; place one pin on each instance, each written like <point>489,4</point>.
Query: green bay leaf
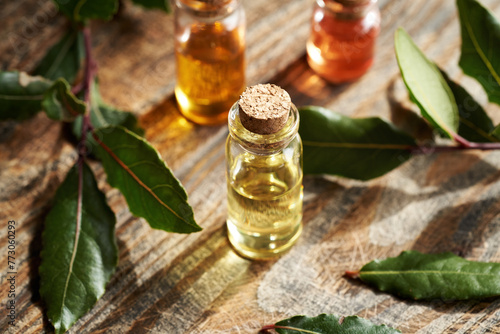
<point>64,59</point>
<point>81,10</point>
<point>79,252</point>
<point>443,276</point>
<point>496,132</point>
<point>330,324</point>
<point>426,85</point>
<point>60,103</point>
<point>480,52</point>
<point>151,190</point>
<point>356,148</point>
<point>475,125</point>
<point>21,94</point>
<point>154,4</point>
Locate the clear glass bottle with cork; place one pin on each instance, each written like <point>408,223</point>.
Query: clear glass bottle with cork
<point>341,46</point>
<point>264,173</point>
<point>210,56</point>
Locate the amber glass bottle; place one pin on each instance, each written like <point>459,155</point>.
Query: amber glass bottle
<point>210,55</point>
<point>342,41</point>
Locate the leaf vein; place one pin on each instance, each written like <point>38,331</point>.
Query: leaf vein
<point>480,52</point>
<point>60,56</point>
<point>425,272</point>
<point>477,129</point>
<point>22,98</point>
<point>357,145</point>
<point>79,213</point>
<point>137,179</point>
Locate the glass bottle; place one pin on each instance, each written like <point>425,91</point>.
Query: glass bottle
<point>264,179</point>
<point>210,55</point>
<point>342,42</point>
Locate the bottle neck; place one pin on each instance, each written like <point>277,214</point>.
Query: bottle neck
<point>348,9</point>
<point>263,144</point>
<point>208,8</point>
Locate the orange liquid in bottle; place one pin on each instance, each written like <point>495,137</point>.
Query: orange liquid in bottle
<point>341,49</point>
<point>210,71</point>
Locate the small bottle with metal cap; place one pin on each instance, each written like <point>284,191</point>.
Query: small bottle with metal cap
<point>341,46</point>
<point>210,56</point>
<point>264,173</point>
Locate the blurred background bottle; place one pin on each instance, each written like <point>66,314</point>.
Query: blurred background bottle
<point>210,55</point>
<point>342,42</point>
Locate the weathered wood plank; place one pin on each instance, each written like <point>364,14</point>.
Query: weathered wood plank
<point>194,283</point>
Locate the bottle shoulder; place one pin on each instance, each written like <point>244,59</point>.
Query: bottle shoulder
<point>209,11</point>
<point>263,143</point>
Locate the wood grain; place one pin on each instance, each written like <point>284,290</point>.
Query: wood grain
<point>172,283</point>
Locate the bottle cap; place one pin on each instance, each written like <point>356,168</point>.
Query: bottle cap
<point>264,108</point>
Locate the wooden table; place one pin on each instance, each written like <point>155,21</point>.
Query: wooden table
<point>172,283</point>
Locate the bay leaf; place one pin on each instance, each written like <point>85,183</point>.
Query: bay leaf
<point>154,4</point>
<point>362,148</point>
<point>82,10</point>
<point>61,104</point>
<point>443,276</point>
<point>330,324</point>
<point>79,252</point>
<point>64,59</point>
<point>102,115</point>
<point>426,85</point>
<point>496,132</point>
<point>480,52</point>
<point>21,94</point>
<point>151,190</point>
<point>475,125</point>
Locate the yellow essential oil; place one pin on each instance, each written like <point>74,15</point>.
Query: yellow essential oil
<point>264,206</point>
<point>210,55</point>
<point>264,174</point>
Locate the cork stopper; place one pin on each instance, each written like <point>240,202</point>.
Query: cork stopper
<point>215,2</point>
<point>264,108</point>
<point>353,3</point>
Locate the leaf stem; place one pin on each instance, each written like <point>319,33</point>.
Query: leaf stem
<point>475,146</point>
<point>461,140</point>
<point>77,88</point>
<point>352,274</point>
<point>266,329</point>
<point>90,69</point>
<point>463,146</point>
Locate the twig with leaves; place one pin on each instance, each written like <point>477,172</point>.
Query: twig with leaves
<point>370,147</point>
<point>79,253</point>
